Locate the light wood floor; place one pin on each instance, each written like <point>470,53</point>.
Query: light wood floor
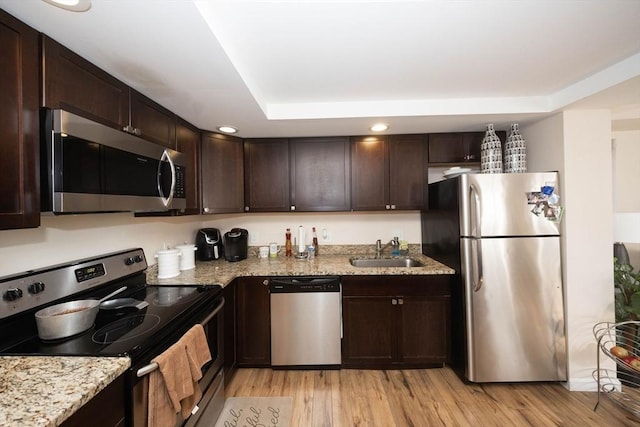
<point>423,397</point>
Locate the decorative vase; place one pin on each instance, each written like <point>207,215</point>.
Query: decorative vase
<point>515,152</point>
<point>491,152</point>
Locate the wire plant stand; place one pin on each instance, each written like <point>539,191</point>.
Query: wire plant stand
<point>621,385</point>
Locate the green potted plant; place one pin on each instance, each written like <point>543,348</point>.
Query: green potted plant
<point>627,292</point>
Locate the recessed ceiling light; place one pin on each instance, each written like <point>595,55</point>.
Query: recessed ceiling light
<point>73,5</point>
<point>227,129</point>
<point>379,127</point>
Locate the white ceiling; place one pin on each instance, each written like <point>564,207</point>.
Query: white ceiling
<point>307,67</point>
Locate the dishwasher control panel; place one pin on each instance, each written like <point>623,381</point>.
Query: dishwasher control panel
<point>304,284</point>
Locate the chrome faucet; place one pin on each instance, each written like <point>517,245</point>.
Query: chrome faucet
<point>395,242</point>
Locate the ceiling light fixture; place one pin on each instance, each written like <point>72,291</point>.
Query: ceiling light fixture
<point>379,127</point>
<point>72,5</point>
<point>227,129</point>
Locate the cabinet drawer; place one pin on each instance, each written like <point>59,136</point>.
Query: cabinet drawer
<point>427,285</point>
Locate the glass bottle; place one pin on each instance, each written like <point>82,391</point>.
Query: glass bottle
<point>287,243</point>
<point>315,241</point>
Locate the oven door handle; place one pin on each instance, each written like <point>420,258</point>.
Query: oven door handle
<point>153,366</point>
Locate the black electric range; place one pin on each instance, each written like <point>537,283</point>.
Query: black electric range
<point>159,314</point>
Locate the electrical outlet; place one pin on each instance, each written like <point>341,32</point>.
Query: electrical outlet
<point>325,235</point>
<point>253,238</point>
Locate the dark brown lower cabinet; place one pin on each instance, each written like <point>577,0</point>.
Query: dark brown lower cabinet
<point>253,322</point>
<point>106,409</point>
<point>230,330</point>
<point>396,321</point>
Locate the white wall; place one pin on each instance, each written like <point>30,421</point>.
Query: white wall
<point>577,144</point>
<point>626,177</point>
<point>343,228</point>
<point>627,171</point>
<point>66,238</point>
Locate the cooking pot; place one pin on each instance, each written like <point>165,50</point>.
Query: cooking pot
<point>69,318</point>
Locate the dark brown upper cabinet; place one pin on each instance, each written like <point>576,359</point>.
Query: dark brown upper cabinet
<point>320,174</point>
<point>369,173</point>
<point>188,142</point>
<point>408,172</point>
<point>151,121</point>
<point>388,173</point>
<point>266,175</point>
<point>459,148</point>
<point>74,84</point>
<point>222,173</point>
<point>19,137</point>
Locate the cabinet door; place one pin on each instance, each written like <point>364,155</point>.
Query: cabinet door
<point>73,83</point>
<point>369,331</point>
<point>408,172</point>
<point>106,409</point>
<point>369,173</point>
<point>188,142</point>
<point>457,148</point>
<point>320,174</point>
<point>266,173</point>
<point>152,121</point>
<point>222,173</point>
<point>254,334</point>
<point>19,138</point>
<point>230,330</point>
<point>424,330</point>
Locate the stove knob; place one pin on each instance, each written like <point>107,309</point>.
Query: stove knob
<point>138,258</point>
<point>12,294</point>
<point>129,261</point>
<point>35,288</point>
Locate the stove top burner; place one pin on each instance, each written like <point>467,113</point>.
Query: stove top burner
<point>127,328</point>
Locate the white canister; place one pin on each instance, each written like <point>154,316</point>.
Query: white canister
<point>187,256</point>
<point>168,263</point>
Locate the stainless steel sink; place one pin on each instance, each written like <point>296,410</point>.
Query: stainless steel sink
<point>385,262</point>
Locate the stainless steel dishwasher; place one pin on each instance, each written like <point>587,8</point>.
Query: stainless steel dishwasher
<point>306,321</point>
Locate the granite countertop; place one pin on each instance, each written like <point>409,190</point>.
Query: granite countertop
<point>222,272</point>
<point>46,390</point>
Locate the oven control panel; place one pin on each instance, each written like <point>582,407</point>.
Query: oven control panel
<point>34,288</point>
<point>91,272</point>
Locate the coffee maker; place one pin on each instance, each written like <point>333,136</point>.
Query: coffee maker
<point>209,244</point>
<point>236,244</point>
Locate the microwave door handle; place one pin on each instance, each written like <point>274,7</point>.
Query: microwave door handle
<point>165,156</point>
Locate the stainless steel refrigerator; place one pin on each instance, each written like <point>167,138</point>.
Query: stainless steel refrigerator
<point>501,234</point>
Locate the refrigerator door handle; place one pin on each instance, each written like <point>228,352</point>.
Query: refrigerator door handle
<point>474,198</point>
<point>480,281</point>
<point>475,221</point>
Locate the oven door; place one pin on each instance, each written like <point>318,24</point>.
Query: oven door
<point>212,383</point>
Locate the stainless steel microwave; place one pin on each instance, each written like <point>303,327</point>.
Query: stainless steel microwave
<point>88,167</point>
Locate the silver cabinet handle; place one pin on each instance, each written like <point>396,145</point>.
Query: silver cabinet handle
<point>400,301</point>
<point>246,208</point>
<point>394,301</point>
<point>292,207</point>
<point>265,282</point>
